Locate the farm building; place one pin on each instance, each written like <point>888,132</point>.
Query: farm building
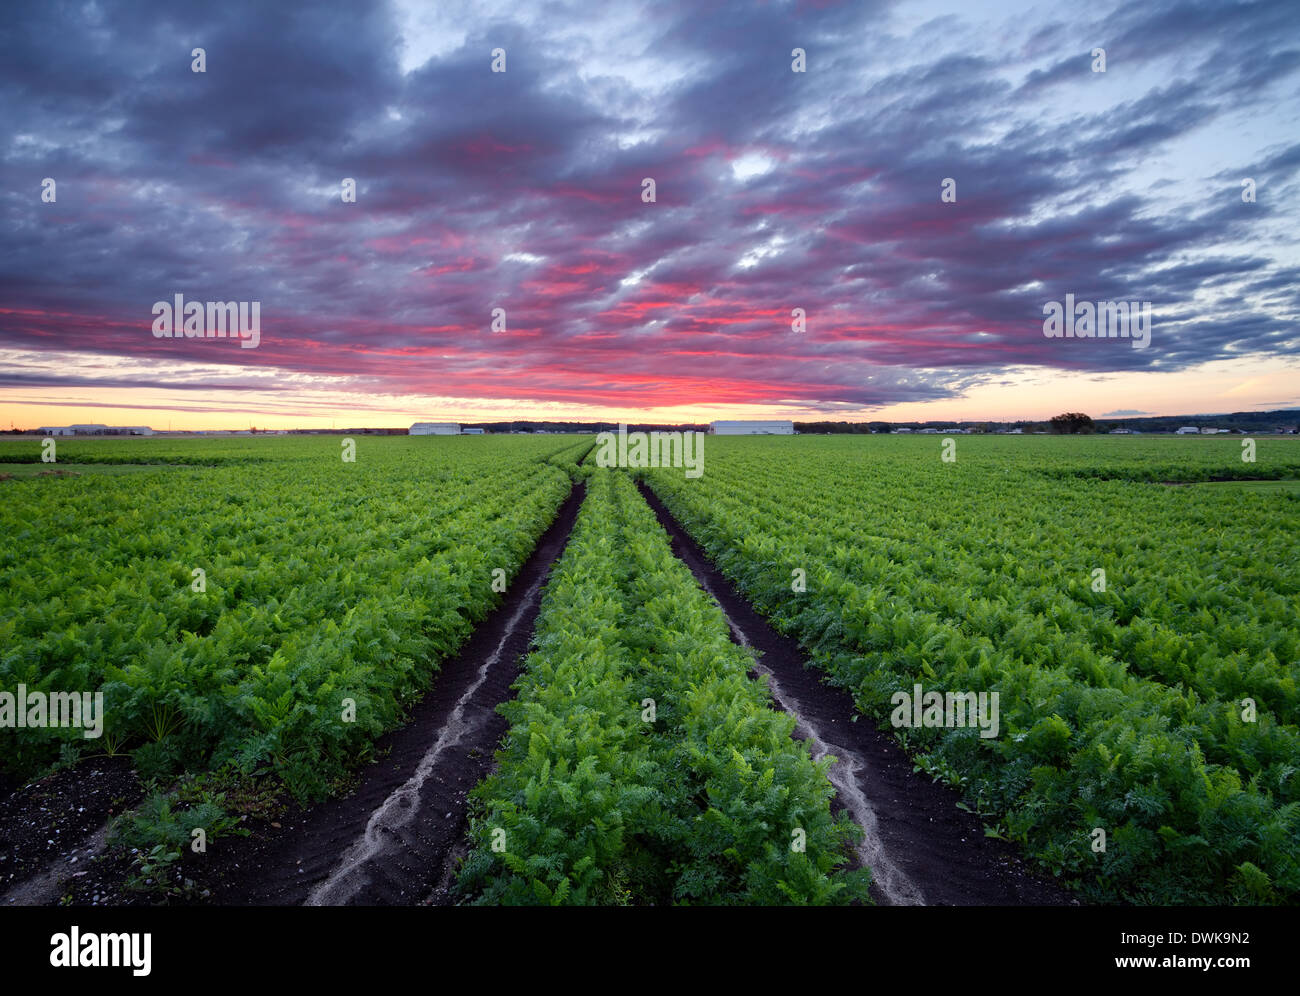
<point>1188,430</point>
<point>751,428</point>
<point>471,432</point>
<point>95,429</point>
<point>435,429</point>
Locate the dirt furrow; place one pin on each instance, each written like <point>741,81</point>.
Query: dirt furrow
<point>922,849</point>
<point>388,824</point>
<point>396,838</point>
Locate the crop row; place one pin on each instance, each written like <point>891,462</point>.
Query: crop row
<point>1122,711</point>
<point>643,765</point>
<point>325,596</point>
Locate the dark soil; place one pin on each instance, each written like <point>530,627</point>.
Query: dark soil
<point>941,849</point>
<point>51,824</point>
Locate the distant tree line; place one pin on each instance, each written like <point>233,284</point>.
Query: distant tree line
<point>1071,423</point>
<point>1277,420</point>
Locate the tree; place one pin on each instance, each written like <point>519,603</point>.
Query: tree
<point>1072,422</point>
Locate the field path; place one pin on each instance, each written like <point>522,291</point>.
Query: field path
<point>396,838</point>
<point>921,848</point>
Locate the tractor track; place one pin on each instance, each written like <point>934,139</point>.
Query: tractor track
<point>397,838</point>
<point>921,848</point>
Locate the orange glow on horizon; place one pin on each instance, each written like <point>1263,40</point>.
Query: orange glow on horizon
<point>1023,395</point>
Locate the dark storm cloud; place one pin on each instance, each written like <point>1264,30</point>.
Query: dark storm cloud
<point>521,190</point>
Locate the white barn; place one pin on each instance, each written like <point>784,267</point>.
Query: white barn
<point>1188,430</point>
<point>752,428</point>
<point>435,429</point>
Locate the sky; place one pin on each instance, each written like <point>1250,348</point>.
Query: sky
<point>777,194</point>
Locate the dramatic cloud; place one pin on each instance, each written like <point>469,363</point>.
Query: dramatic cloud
<point>522,190</point>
